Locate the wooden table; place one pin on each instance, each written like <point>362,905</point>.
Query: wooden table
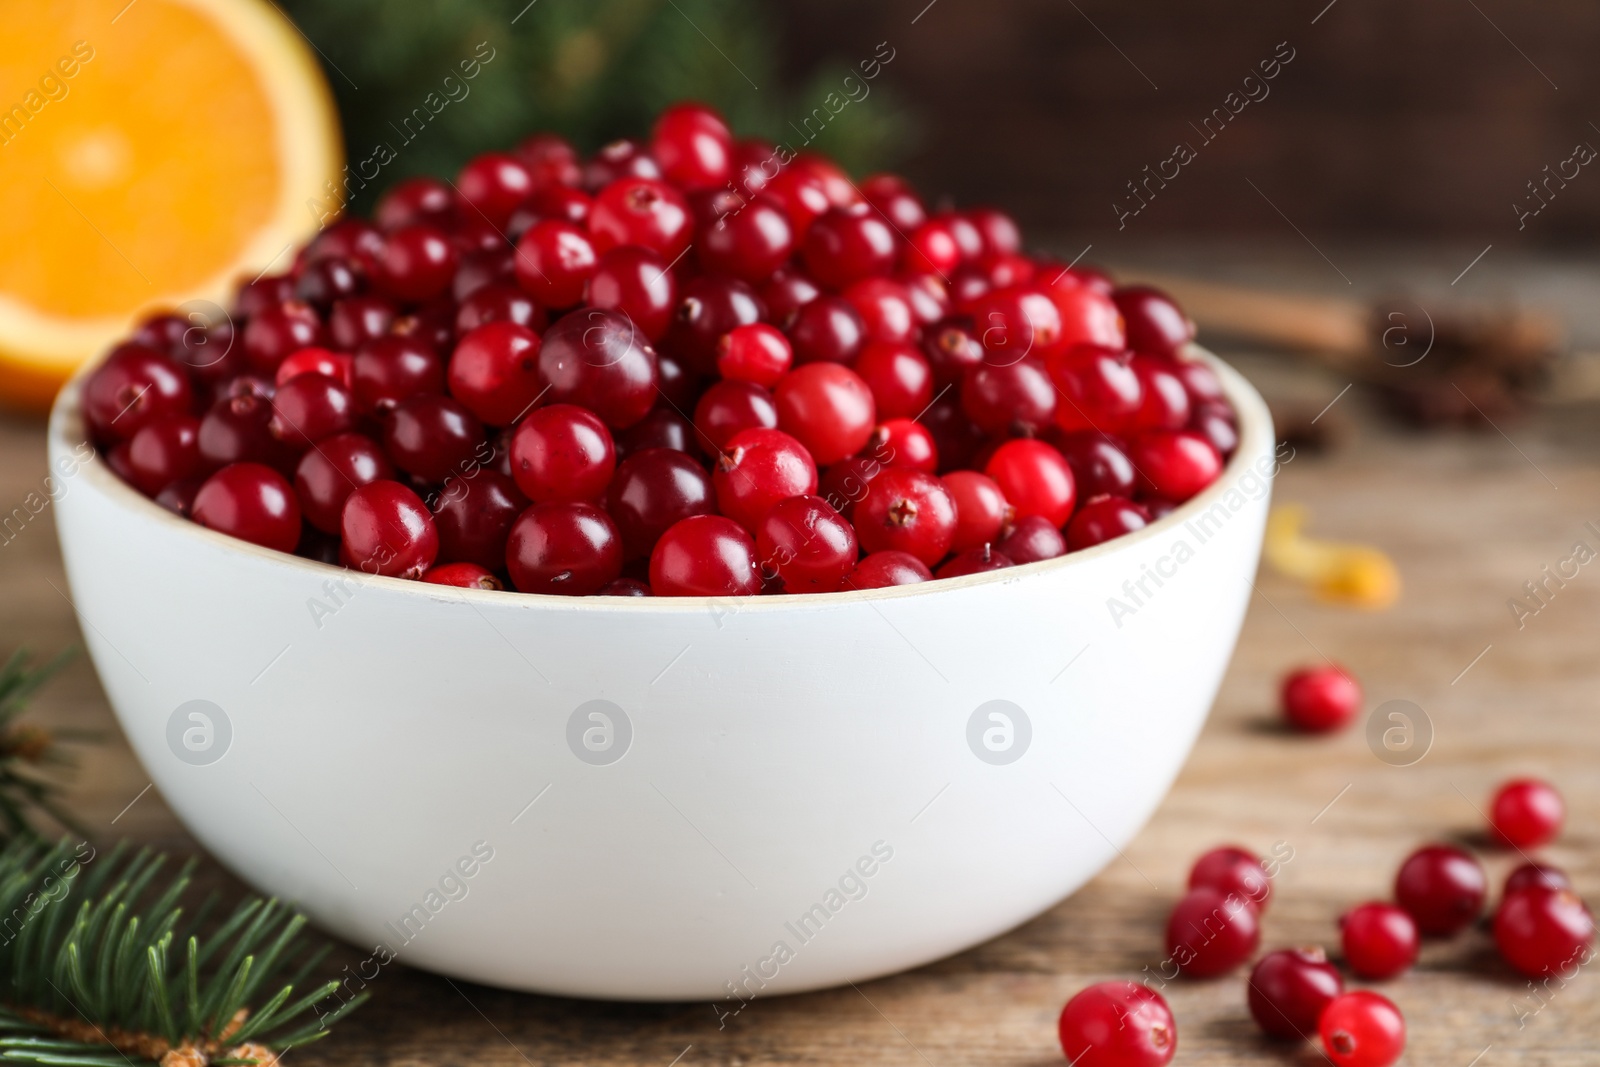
<point>1468,517</point>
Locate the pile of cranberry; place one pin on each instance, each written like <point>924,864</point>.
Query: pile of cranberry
<point>1542,929</point>
<point>693,366</point>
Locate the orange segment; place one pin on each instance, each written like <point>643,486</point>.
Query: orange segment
<point>150,152</point>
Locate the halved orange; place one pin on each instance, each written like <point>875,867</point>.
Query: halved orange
<point>151,152</point>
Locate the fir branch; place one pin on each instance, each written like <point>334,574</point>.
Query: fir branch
<point>30,754</point>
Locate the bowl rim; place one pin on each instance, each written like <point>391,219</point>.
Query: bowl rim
<point>67,430</point>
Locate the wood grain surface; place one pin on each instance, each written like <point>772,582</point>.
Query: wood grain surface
<point>1468,517</point>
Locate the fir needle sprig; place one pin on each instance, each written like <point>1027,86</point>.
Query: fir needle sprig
<point>28,752</point>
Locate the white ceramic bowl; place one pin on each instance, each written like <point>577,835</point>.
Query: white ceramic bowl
<point>799,798</point>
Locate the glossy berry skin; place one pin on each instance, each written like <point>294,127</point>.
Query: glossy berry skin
<point>327,475</point>
<point>1030,540</point>
<point>1215,422</point>
<point>1362,1029</point>
<point>1035,479</point>
<point>784,294</point>
<point>828,408</point>
<point>1174,465</point>
<point>1532,874</point>
<point>806,544</point>
<point>1100,390</point>
<point>562,453</point>
<point>133,388</point>
<point>847,244</point>
<point>390,370</point>
<point>415,200</point>
<point>636,282</point>
<point>981,509</point>
<point>1442,888</point>
<point>1544,932</point>
<point>498,302</point>
<point>1100,465</point>
<point>1103,518</point>
<point>899,377</point>
<point>1379,939</point>
<point>729,407</point>
<point>644,212</point>
<point>827,329</point>
<point>1526,813</point>
<point>620,159</point>
<point>844,484</point>
<point>894,198</point>
<point>474,514</point>
<point>598,360</point>
<point>358,319</point>
<point>1320,699</point>
<point>885,307</point>
<point>568,549</point>
<point>693,146</point>
<point>1211,932</point>
<point>756,353</point>
<point>978,560</point>
<point>555,261</point>
<point>277,331</point>
<point>625,587</point>
<point>494,185</point>
<point>164,452</point>
<point>551,160</point>
<point>904,443</point>
<point>757,469</point>
<point>1155,326</point>
<point>932,247</point>
<point>1289,988</point>
<point>386,529</point>
<point>704,555</point>
<point>494,371</point>
<point>1011,400</point>
<point>708,307</point>
<point>1117,1024</point>
<point>461,576</point>
<point>653,489</point>
<point>879,570</point>
<point>1016,322</point>
<point>433,437</point>
<point>236,428</point>
<point>251,502</point>
<point>1230,869</point>
<point>417,264</point>
<point>907,511</point>
<point>335,365</point>
<point>309,407</point>
<point>1164,403</point>
<point>1088,317</point>
<point>749,243</point>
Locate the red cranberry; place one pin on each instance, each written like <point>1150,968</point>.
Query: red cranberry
<point>1544,932</point>
<point>418,263</point>
<point>251,502</point>
<point>693,146</point>
<point>641,211</point>
<point>704,555</point>
<point>636,282</point>
<point>596,359</point>
<point>356,320</point>
<point>953,349</point>
<point>894,199</point>
<point>1035,479</point>
<point>749,242</point>
<point>729,407</point>
<point>498,302</point>
<point>178,497</point>
<point>1100,390</point>
<point>828,408</point>
<point>784,294</point>
<point>1442,888</point>
<point>1016,399</point>
<point>335,365</point>
<point>269,290</point>
<point>279,330</point>
<point>755,163</point>
<point>847,244</point>
<point>841,192</point>
<point>900,379</point>
<point>907,511</point>
<point>617,160</point>
<point>806,544</point>
<point>1532,874</point>
<point>904,443</point>
<point>1015,322</point>
<point>1211,932</point>
<point>414,201</point>
<point>1100,466</point>
<point>551,160</point>
<point>1362,1029</point>
<point>1526,813</point>
<point>1288,990</point>
<point>625,587</point>
<point>1155,325</point>
<point>164,452</point>
<point>827,329</point>
<point>309,407</point>
<point>432,324</point>
<point>391,370</point>
<point>326,280</point>
<point>1234,870</point>
<point>555,261</point>
<point>652,490</point>
<point>932,247</point>
<point>561,453</point>
<point>327,474</point>
<point>236,429</point>
<point>1102,518</point>
<point>930,297</point>
<point>1117,1024</point>
<point>844,484</point>
<point>1319,699</point>
<point>1032,539</point>
<point>462,576</point>
<point>433,437</point>
<point>803,196</point>
<point>387,530</point>
<point>880,570</point>
<point>999,231</point>
<point>708,308</point>
<point>757,469</point>
<point>1174,465</point>
<point>1088,317</point>
<point>981,509</point>
<point>162,333</point>
<point>552,202</point>
<point>494,184</point>
<point>974,561</point>
<point>885,307</point>
<point>1380,940</point>
<point>495,372</point>
<point>968,238</point>
<point>474,514</point>
<point>1216,423</point>
<point>570,549</point>
<point>755,353</point>
<point>1165,403</point>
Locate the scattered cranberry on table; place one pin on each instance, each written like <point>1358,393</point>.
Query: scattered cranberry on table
<point>1362,1029</point>
<point>1526,813</point>
<point>1544,932</point>
<point>1211,932</point>
<point>1118,1024</point>
<point>1320,699</point>
<point>1230,869</point>
<point>475,387</point>
<point>1380,940</point>
<point>1288,990</point>
<point>1442,888</point>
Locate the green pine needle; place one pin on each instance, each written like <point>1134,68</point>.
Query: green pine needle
<point>27,751</point>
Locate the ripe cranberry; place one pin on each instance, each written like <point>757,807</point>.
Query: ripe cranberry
<point>161,333</point>
<point>784,294</point>
<point>164,452</point>
<point>828,408</point>
<point>551,160</point>
<point>827,329</point>
<point>755,353</point>
<point>894,199</point>
<point>729,407</point>
<point>844,484</point>
<point>561,453</point>
<point>967,286</point>
<point>1362,1029</point>
<point>636,282</point>
<point>704,555</point>
<point>652,490</point>
<point>1117,1024</point>
<point>236,429</point>
<point>1155,325</point>
<point>748,243</point>
<point>1099,464</point>
<point>907,511</point>
<point>391,370</point>
<point>570,549</point>
<point>1526,813</point>
<point>552,202</point>
<point>981,509</point>
<point>953,349</point>
<point>1174,464</point>
<point>494,371</point>
<point>625,587</point>
<point>755,163</point>
<point>885,307</point>
<point>930,297</point>
<point>1442,888</point>
<point>309,407</point>
<point>968,238</point>
<point>433,437</point>
<point>904,443</point>
<point>1216,423</point>
<point>326,280</point>
<point>708,308</point>
<point>387,530</point>
<point>178,497</point>
<point>1032,539</point>
<point>620,159</point>
<point>133,388</point>
<point>596,359</point>
<point>693,146</point>
<point>641,211</point>
<point>335,365</point>
<point>356,320</point>
<point>1100,390</point>
<point>269,290</point>
<point>757,469</point>
<point>1015,399</point>
<point>462,576</point>
<point>998,231</point>
<point>841,192</point>
<point>932,247</point>
<point>1211,932</point>
<point>1532,874</point>
<point>414,201</point>
<point>1288,990</point>
<point>1035,479</point>
<point>494,184</point>
<point>418,263</point>
<point>900,379</point>
<point>474,514</point>
<point>1165,402</point>
<point>555,261</point>
<point>327,474</point>
<point>432,324</point>
<point>1104,517</point>
<point>479,269</point>
<point>806,544</point>
<point>1544,932</point>
<point>880,570</point>
<point>251,502</point>
<point>1380,940</point>
<point>803,196</point>
<point>498,302</point>
<point>974,561</point>
<point>1015,322</point>
<point>847,244</point>
<point>1088,317</point>
<point>1234,870</point>
<point>279,330</point>
<point>1319,699</point>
